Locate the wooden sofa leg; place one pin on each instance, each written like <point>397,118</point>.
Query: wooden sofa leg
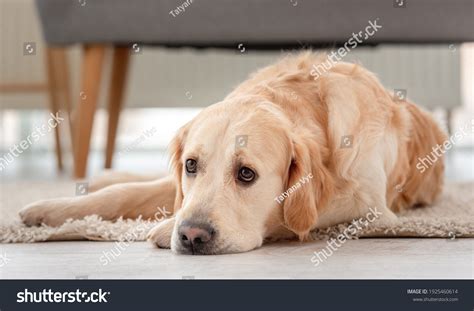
<point>64,84</point>
<point>54,99</point>
<point>92,65</point>
<point>121,56</point>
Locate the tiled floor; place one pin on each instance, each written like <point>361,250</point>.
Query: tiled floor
<point>365,258</point>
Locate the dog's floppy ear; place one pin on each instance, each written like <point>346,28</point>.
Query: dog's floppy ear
<point>311,185</point>
<point>176,153</point>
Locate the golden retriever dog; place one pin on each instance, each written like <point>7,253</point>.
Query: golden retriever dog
<point>283,154</point>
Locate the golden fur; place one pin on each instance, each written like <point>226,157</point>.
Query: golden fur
<point>297,126</point>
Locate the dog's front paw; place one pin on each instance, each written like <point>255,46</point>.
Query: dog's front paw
<point>47,212</point>
<point>387,219</point>
<point>160,235</point>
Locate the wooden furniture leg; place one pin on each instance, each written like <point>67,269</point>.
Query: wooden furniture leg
<point>54,99</point>
<point>65,88</point>
<point>121,56</point>
<point>92,65</point>
<point>53,86</point>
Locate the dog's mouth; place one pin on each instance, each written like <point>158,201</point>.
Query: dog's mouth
<point>216,247</point>
<point>199,249</point>
<point>203,237</point>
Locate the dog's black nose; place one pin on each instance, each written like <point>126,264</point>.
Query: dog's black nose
<point>194,236</point>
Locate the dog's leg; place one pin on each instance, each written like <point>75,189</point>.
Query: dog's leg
<point>153,199</point>
<point>109,177</point>
<point>371,200</point>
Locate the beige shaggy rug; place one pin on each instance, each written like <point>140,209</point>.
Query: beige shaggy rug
<point>451,217</point>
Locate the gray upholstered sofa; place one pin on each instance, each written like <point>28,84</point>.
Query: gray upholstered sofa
<point>264,23</point>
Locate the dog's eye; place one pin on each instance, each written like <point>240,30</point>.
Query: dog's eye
<point>191,166</point>
<point>246,175</point>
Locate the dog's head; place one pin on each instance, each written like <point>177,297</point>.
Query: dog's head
<point>243,174</point>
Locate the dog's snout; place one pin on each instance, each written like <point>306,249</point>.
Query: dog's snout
<point>193,236</point>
